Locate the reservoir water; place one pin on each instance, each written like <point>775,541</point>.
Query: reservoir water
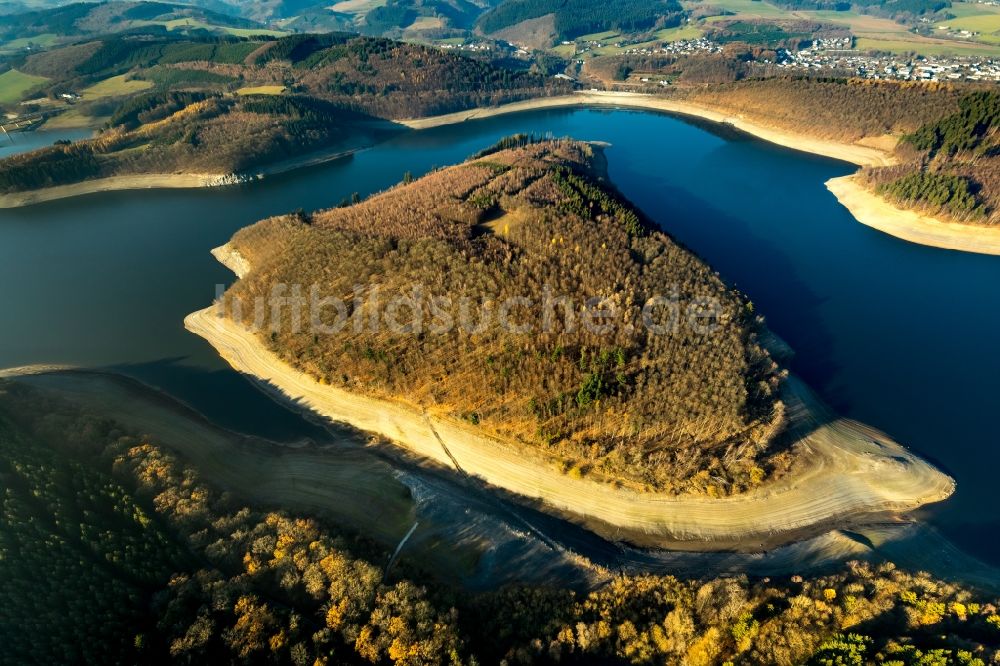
<point>892,334</point>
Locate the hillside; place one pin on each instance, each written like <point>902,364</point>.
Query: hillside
<point>573,18</point>
<point>189,133</point>
<point>685,411</point>
<point>849,110</point>
<point>379,76</point>
<point>949,168</point>
<point>46,26</point>
<point>222,106</point>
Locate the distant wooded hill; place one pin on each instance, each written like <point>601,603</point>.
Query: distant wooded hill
<point>82,19</point>
<point>227,105</point>
<point>573,18</point>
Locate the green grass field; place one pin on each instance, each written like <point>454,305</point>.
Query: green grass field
<point>74,119</point>
<point>610,38</point>
<point>611,49</point>
<point>38,41</point>
<point>116,85</point>
<point>976,18</point>
<point>679,33</point>
<point>984,23</point>
<point>923,47</point>
<point>743,8</point>
<point>426,23</point>
<point>14,84</point>
<point>357,8</point>
<point>966,9</point>
<point>882,34</point>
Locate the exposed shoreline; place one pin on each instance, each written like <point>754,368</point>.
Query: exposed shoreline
<point>112,184</point>
<point>872,210</point>
<point>866,207</point>
<point>846,473</point>
<point>854,153</point>
<point>167,181</point>
<point>311,479</point>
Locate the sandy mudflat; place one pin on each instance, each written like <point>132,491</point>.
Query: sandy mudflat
<point>845,472</point>
<point>862,155</point>
<point>874,211</point>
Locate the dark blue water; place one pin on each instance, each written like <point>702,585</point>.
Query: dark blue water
<point>19,142</point>
<point>896,335</point>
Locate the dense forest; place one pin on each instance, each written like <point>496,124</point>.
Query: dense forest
<point>791,35</point>
<point>393,17</point>
<point>971,130</point>
<point>697,68</point>
<point>688,411</point>
<point>574,18</point>
<point>949,167</point>
<point>391,79</point>
<point>114,550</point>
<point>377,76</point>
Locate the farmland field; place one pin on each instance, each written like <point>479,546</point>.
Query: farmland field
<point>744,8</point>
<point>356,7</point>
<point>261,90</point>
<point>679,33</point>
<point>236,32</point>
<point>39,41</point>
<point>14,84</point>
<point>975,18</point>
<point>426,23</point>
<point>116,85</point>
<point>924,46</point>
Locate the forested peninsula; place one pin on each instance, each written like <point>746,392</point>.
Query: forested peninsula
<point>605,425</point>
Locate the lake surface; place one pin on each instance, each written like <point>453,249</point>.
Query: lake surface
<point>19,142</point>
<point>892,334</point>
